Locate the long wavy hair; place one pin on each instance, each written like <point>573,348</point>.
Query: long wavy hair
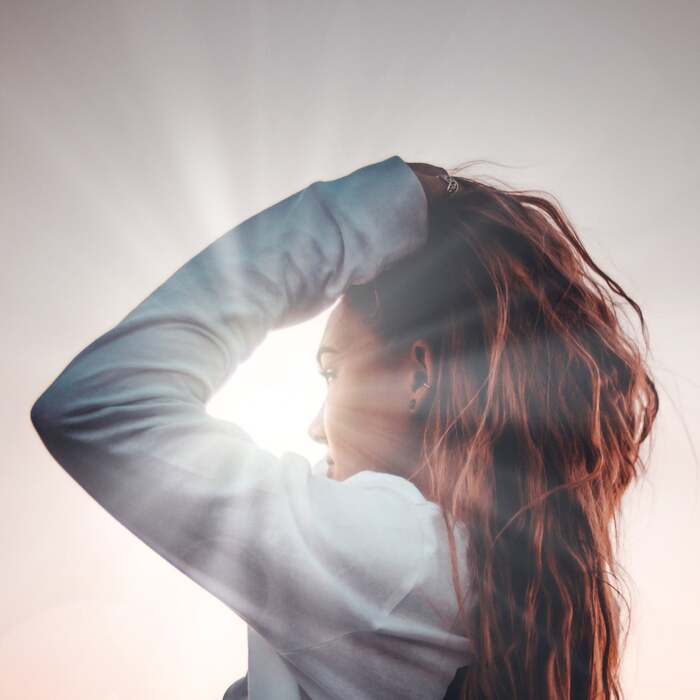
<point>542,400</point>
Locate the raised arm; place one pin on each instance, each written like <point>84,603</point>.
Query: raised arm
<point>298,557</point>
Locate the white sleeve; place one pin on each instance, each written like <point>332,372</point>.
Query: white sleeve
<point>300,558</point>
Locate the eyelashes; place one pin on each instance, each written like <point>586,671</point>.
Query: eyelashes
<point>328,374</point>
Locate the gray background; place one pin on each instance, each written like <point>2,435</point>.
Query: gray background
<point>134,133</point>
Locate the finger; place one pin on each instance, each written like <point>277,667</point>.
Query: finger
<point>428,169</point>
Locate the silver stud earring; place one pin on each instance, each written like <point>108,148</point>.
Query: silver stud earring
<point>412,402</point>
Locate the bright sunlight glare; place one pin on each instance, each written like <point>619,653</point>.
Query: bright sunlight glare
<point>275,394</point>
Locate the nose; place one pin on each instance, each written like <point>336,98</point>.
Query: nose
<point>316,430</point>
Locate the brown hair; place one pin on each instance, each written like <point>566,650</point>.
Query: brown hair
<point>541,402</point>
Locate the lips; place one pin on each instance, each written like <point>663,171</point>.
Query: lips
<point>331,470</point>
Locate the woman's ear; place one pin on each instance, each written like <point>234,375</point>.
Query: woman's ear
<point>421,363</point>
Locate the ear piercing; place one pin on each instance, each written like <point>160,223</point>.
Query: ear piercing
<point>412,402</point>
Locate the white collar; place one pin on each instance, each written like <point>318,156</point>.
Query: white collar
<point>386,480</point>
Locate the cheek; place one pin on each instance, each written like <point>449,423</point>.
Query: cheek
<point>361,405</point>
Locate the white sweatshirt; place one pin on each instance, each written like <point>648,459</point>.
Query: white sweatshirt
<point>346,586</point>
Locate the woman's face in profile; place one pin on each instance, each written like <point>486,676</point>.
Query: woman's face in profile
<point>365,419</point>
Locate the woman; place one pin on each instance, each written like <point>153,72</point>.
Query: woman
<point>484,415</point>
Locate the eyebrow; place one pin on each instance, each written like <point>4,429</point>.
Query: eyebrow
<point>323,350</point>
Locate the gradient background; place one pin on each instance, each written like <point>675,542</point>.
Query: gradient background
<point>133,133</point>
